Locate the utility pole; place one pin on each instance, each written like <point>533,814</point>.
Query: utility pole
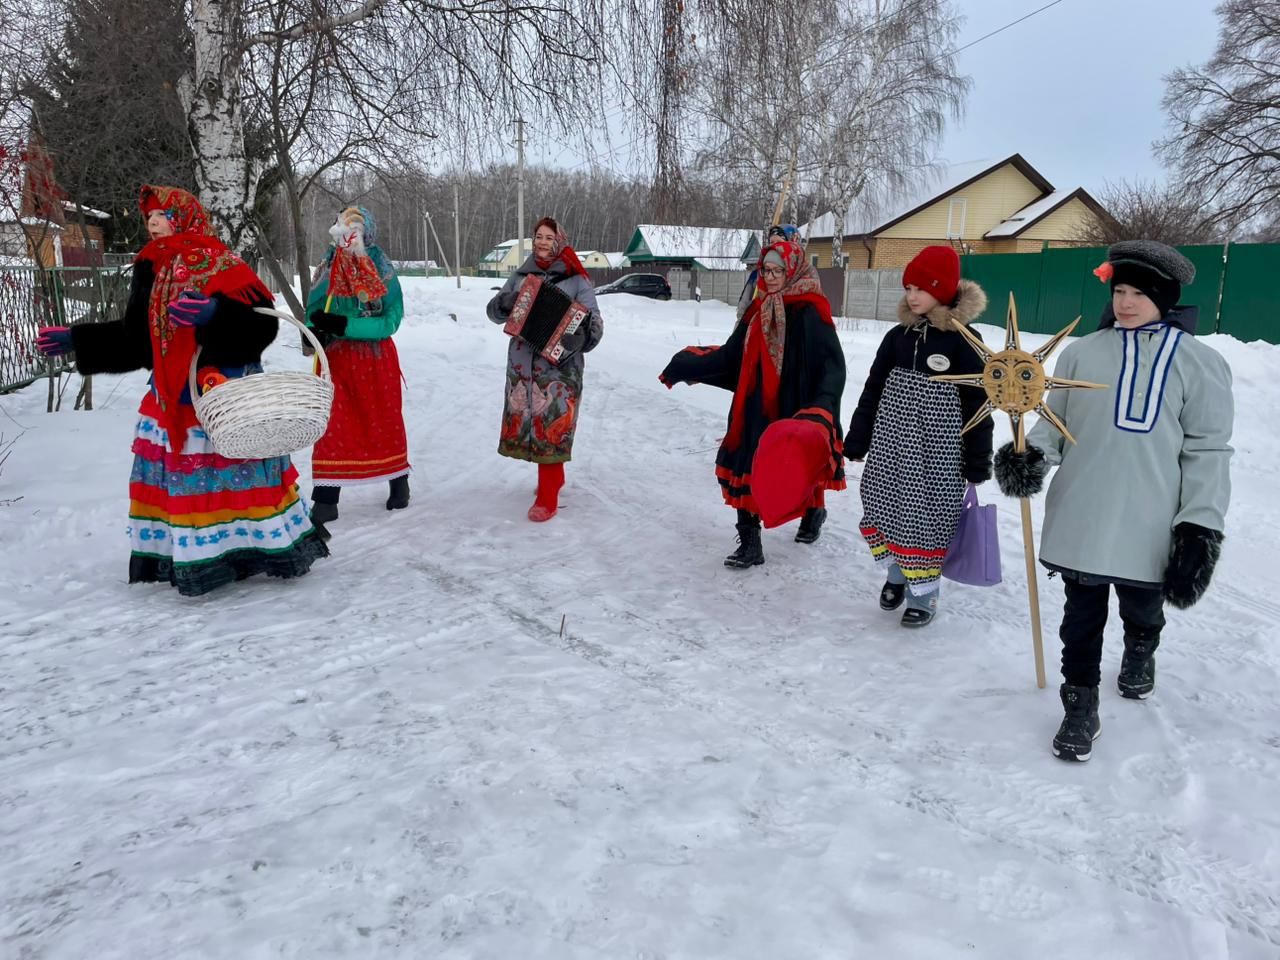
<point>426,246</point>
<point>520,191</point>
<point>439,245</point>
<point>457,242</point>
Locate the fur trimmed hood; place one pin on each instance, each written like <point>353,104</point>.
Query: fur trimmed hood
<point>971,300</point>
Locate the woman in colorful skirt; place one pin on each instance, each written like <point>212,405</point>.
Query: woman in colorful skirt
<point>197,520</point>
<point>908,427</point>
<point>355,307</point>
<point>542,398</point>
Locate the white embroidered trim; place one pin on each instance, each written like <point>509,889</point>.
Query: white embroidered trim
<point>1153,400</point>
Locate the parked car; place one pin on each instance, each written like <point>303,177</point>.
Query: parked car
<point>652,285</point>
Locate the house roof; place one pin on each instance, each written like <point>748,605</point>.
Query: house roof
<point>70,207</point>
<point>656,241</point>
<point>499,252</point>
<point>616,259</point>
<point>868,219</point>
<point>1032,213</point>
<point>719,263</point>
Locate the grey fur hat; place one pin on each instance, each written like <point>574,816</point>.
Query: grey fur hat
<point>1152,255</point>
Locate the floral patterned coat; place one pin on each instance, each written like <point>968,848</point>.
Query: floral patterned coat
<point>540,410</point>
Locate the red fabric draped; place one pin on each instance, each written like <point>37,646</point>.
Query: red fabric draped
<point>194,258</point>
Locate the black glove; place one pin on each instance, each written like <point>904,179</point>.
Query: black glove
<point>854,448</point>
<point>1192,556</point>
<point>334,324</point>
<point>978,472</point>
<point>507,298</point>
<point>1020,474</point>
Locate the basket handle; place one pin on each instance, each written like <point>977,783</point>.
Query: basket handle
<point>283,315</point>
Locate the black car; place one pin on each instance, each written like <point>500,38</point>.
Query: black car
<point>652,285</point>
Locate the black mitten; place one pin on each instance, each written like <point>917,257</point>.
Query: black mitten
<point>334,324</point>
<point>1020,474</point>
<point>979,472</point>
<point>1192,556</point>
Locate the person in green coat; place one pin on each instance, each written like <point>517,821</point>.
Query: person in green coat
<point>355,307</point>
<point>1139,501</point>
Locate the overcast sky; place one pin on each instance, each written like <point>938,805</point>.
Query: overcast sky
<point>1076,89</point>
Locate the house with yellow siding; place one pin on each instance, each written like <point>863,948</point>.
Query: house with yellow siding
<point>981,207</point>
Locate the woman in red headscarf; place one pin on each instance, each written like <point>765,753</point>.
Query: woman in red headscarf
<point>196,519</point>
<point>782,360</point>
<point>540,414</point>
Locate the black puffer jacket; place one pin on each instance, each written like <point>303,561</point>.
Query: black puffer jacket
<point>928,345</point>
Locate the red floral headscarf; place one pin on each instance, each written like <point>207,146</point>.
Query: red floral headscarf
<point>192,259</point>
<point>561,250</point>
<point>767,334</point>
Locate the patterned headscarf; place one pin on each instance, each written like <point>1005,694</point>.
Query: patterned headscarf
<point>766,337</point>
<point>194,258</point>
<point>386,271</point>
<point>801,281</point>
<point>561,250</point>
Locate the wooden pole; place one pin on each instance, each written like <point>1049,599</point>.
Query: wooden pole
<point>1029,547</point>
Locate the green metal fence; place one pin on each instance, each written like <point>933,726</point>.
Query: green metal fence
<point>31,297</point>
<point>1056,285</point>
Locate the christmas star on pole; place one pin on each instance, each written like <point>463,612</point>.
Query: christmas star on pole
<point>1015,383</point>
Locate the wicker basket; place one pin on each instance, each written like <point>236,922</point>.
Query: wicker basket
<point>266,414</point>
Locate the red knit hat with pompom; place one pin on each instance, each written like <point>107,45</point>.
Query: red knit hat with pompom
<point>936,271</point>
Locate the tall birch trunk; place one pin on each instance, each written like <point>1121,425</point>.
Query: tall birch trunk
<point>226,177</point>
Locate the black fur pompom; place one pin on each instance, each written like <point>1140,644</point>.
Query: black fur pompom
<point>1020,474</point>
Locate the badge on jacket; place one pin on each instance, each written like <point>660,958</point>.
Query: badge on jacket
<point>938,361</point>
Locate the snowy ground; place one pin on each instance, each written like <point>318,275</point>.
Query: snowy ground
<point>402,754</point>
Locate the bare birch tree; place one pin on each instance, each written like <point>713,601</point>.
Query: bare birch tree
<point>472,57</point>
<point>884,87</point>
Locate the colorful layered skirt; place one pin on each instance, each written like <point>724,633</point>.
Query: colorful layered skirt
<point>198,520</point>
<point>366,439</point>
<point>912,488</point>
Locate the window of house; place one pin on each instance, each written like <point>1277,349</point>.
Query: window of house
<point>955,217</point>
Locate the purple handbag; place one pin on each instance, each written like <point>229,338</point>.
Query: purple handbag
<point>974,554</point>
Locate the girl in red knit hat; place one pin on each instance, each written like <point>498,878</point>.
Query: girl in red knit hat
<point>907,429</point>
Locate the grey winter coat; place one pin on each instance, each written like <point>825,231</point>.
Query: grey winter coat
<point>1152,450</point>
<point>540,411</point>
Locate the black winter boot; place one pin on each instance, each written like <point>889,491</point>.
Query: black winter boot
<point>1080,727</point>
<point>399,498</point>
<point>750,552</point>
<point>811,525</point>
<point>324,504</point>
<point>1137,677</point>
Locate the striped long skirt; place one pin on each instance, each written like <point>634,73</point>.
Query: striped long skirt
<point>198,520</point>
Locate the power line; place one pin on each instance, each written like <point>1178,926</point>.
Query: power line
<point>1013,23</point>
<point>887,16</point>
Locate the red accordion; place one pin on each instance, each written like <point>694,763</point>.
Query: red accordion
<point>543,315</point>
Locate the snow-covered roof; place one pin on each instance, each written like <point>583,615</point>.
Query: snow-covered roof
<point>1029,214</point>
<point>6,216</point>
<point>670,241</point>
<point>870,215</point>
<point>70,206</point>
<point>618,259</point>
<point>720,263</point>
<point>499,252</point>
